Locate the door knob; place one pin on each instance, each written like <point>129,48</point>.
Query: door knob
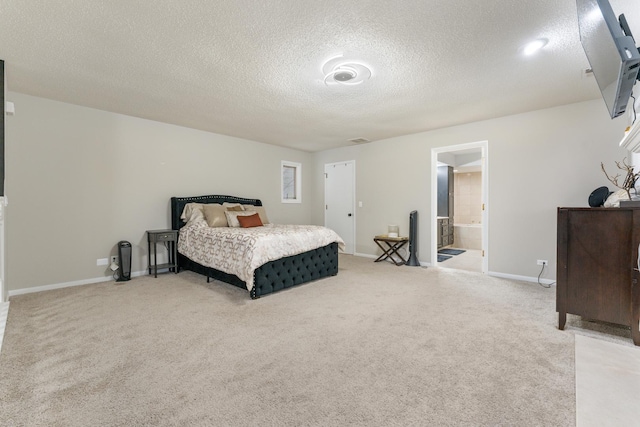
<point>348,214</point>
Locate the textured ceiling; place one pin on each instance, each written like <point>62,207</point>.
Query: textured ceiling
<point>253,68</point>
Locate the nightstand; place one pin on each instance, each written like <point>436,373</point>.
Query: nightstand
<point>170,239</point>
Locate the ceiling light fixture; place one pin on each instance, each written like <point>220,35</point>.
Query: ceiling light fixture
<point>534,46</point>
<point>339,71</point>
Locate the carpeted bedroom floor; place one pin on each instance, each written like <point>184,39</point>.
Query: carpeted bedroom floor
<point>375,345</point>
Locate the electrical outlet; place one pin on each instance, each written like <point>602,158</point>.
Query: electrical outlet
<point>114,259</point>
<point>543,262</point>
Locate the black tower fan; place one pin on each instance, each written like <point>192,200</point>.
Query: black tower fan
<point>124,255</point>
<point>413,239</point>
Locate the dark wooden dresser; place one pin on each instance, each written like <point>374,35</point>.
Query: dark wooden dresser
<point>597,266</point>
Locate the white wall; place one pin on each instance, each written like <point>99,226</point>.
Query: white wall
<point>79,180</point>
<point>467,200</point>
<point>538,161</point>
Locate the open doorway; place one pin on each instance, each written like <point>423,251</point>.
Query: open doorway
<point>459,208</point>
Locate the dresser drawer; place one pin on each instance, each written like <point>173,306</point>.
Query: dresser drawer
<point>163,236</point>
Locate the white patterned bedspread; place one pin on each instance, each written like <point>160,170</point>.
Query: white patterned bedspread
<point>241,251</point>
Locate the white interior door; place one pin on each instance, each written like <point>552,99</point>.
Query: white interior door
<point>339,200</point>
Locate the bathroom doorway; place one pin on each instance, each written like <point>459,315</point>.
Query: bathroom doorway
<point>459,207</point>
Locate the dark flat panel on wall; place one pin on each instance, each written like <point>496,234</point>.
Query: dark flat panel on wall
<point>443,191</point>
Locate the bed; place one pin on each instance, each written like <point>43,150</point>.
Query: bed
<point>269,277</point>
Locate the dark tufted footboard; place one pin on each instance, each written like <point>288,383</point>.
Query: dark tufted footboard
<point>294,270</point>
<point>278,274</point>
<point>271,277</point>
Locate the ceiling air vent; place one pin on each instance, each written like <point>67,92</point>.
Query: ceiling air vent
<point>359,140</point>
<point>587,72</point>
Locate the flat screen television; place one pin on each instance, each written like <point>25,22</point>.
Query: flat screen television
<point>611,51</point>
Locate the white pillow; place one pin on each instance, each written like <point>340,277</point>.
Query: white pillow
<point>189,209</point>
<point>232,217</point>
<point>193,215</point>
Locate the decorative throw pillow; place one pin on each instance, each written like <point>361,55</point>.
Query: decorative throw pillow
<point>232,217</point>
<point>233,206</point>
<point>260,210</point>
<point>250,220</point>
<point>214,215</point>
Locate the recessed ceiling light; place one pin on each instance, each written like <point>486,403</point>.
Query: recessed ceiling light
<point>337,70</point>
<point>534,46</point>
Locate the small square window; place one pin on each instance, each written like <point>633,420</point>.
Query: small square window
<point>291,182</point>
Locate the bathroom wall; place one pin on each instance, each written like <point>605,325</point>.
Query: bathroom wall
<point>467,202</point>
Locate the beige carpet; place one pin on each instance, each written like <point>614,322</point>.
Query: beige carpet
<point>375,345</point>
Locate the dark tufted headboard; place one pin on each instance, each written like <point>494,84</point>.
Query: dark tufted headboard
<point>177,205</point>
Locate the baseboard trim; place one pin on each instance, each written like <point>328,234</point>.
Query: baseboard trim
<point>95,280</point>
<point>24,291</point>
<point>521,278</point>
<point>491,273</point>
<point>422,264</point>
<point>365,255</point>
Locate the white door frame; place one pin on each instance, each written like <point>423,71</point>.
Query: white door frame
<point>484,147</point>
<point>3,257</point>
<point>353,208</point>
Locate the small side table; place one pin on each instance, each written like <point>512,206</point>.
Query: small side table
<point>171,238</point>
<point>393,245</point>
